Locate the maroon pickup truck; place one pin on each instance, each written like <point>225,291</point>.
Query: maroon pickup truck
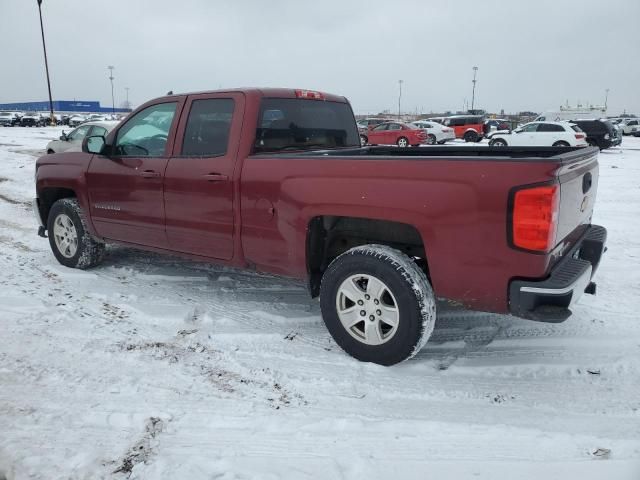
<point>275,180</point>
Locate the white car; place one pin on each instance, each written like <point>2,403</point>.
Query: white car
<point>436,133</point>
<point>630,126</point>
<point>541,134</point>
<point>72,141</point>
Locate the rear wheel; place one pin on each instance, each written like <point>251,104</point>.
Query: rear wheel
<point>70,241</point>
<point>560,143</point>
<point>402,142</point>
<point>377,304</point>
<point>498,142</point>
<point>470,136</point>
<point>431,139</point>
<point>363,140</point>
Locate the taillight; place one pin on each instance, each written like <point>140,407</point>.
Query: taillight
<point>535,217</point>
<point>580,136</point>
<point>309,94</point>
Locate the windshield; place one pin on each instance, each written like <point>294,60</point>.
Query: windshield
<point>299,124</point>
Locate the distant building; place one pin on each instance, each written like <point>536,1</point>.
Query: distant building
<point>86,106</point>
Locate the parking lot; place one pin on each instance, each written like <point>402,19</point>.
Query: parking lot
<point>156,367</point>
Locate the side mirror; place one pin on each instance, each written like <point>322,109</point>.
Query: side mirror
<point>93,144</point>
<point>63,137</point>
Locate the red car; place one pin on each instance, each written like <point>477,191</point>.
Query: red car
<point>401,134</point>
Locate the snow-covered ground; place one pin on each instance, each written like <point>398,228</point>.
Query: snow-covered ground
<point>153,367</point>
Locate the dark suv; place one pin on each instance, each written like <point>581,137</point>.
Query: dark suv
<point>600,133</point>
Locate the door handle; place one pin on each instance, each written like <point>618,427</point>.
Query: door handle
<point>216,177</point>
<point>150,174</point>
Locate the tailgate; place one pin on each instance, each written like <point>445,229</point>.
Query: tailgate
<point>578,178</point>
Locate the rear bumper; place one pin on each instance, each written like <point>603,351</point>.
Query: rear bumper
<point>550,300</point>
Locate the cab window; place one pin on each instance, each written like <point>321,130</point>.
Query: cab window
<point>145,134</point>
<point>208,125</point>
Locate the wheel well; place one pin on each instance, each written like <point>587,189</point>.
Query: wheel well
<point>330,236</point>
<point>48,196</point>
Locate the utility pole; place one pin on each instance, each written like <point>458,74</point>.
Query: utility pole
<point>606,98</point>
<point>46,64</point>
<point>473,93</point>
<point>113,102</point>
<point>399,97</point>
<point>127,89</point>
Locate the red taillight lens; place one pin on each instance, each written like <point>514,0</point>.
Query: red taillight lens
<point>309,94</point>
<point>580,136</point>
<point>535,217</point>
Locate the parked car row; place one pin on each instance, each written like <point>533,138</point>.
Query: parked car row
<point>576,133</point>
<point>41,119</point>
<point>439,130</point>
<point>541,134</point>
<point>381,131</point>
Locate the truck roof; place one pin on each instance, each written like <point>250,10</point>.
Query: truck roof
<point>267,92</point>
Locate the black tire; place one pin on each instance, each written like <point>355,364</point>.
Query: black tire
<point>409,288</point>
<point>402,142</point>
<point>498,142</point>
<point>470,136</point>
<point>431,139</point>
<point>560,143</point>
<point>89,251</point>
<point>50,151</point>
<point>363,140</point>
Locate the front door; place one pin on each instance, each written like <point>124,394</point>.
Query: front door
<point>199,180</point>
<point>125,186</point>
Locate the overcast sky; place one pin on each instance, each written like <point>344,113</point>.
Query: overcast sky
<point>532,55</point>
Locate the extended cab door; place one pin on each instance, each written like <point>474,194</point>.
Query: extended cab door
<point>125,185</point>
<point>199,181</point>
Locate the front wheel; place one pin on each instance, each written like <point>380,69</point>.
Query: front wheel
<point>431,139</point>
<point>498,142</point>
<point>377,304</point>
<point>70,241</point>
<point>402,142</point>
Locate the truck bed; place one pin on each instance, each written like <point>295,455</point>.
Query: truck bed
<point>560,154</point>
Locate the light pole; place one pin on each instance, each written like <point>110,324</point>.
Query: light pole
<point>46,63</point>
<point>473,93</point>
<point>113,102</point>
<point>606,98</point>
<point>399,97</point>
<point>127,89</point>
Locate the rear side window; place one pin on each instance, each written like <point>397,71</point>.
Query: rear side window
<point>99,131</point>
<point>380,128</point>
<point>550,127</point>
<point>576,128</point>
<point>208,125</point>
<point>305,124</point>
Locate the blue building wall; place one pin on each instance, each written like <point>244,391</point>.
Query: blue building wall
<point>61,106</point>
